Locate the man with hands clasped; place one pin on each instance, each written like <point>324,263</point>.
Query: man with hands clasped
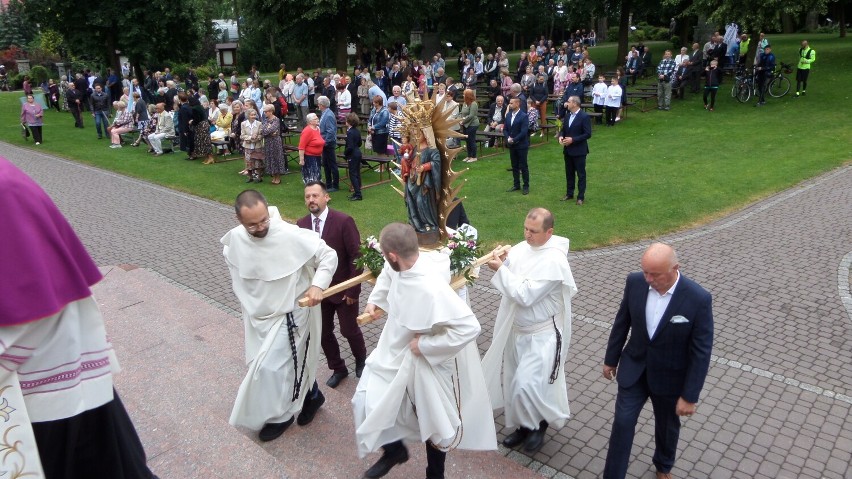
<point>576,129</point>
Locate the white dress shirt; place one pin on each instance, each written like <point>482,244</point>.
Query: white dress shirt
<point>656,305</point>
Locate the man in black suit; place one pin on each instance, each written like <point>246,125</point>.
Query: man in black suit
<point>576,130</point>
<point>670,322</point>
<point>696,67</point>
<point>516,132</point>
<point>338,230</point>
<point>647,61</point>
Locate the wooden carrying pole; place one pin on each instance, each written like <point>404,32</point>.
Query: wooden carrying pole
<point>456,283</point>
<point>340,287</point>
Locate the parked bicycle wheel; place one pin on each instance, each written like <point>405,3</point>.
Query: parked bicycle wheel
<point>735,88</point>
<point>779,87</point>
<point>743,91</point>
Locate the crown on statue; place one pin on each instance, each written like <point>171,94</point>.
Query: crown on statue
<point>417,114</point>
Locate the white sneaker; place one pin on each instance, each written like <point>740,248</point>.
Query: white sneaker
<point>618,118</point>
<point>115,146</point>
<point>37,143</point>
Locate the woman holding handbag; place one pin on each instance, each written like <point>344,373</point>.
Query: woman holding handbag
<point>31,116</point>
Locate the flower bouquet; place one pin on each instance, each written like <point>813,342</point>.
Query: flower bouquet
<point>371,256</point>
<point>464,251</point>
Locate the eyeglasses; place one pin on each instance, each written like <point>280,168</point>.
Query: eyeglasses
<point>262,224</point>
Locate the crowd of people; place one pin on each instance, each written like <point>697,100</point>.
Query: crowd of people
<point>248,116</point>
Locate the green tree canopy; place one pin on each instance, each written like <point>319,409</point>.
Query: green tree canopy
<point>146,32</point>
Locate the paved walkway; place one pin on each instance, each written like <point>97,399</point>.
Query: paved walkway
<point>779,392</point>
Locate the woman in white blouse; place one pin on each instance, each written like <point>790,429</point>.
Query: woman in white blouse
<point>344,101</point>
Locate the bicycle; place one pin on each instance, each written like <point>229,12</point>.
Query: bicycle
<point>779,85</point>
<point>743,88</point>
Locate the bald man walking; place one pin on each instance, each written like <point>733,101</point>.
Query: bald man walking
<point>666,359</point>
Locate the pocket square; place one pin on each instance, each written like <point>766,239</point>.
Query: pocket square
<point>678,319</point>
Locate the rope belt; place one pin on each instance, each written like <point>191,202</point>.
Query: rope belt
<point>297,382</point>
<point>556,360</point>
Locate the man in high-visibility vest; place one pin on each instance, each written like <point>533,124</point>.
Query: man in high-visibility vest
<point>807,56</point>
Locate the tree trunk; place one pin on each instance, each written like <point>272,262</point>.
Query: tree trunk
<point>623,31</point>
<point>787,23</point>
<point>842,18</point>
<point>341,38</point>
<point>272,44</point>
<point>113,59</point>
<point>601,29</point>
<point>811,21</point>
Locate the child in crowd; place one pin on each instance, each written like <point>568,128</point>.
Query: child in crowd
<point>599,97</point>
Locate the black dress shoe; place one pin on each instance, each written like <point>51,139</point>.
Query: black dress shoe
<point>514,188</point>
<point>335,379</point>
<point>273,430</point>
<point>517,437</point>
<point>359,367</point>
<point>332,189</point>
<point>567,197</point>
<point>536,438</point>
<point>309,410</point>
<point>386,463</point>
<point>526,190</point>
<point>355,198</point>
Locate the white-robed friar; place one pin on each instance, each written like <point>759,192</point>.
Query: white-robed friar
<point>439,396</point>
<point>524,367</point>
<point>269,276</point>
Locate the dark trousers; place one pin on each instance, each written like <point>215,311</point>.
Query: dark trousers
<point>694,76</point>
<point>101,120</point>
<point>435,459</point>
<point>329,166</point>
<point>711,91</point>
<point>75,112</point>
<point>575,166</point>
<point>599,109</point>
<point>762,85</point>
<point>471,140</point>
<point>520,169</point>
<point>611,113</point>
<point>802,79</point>
<point>628,405</point>
<point>36,131</point>
<point>347,314</point>
<point>355,174</point>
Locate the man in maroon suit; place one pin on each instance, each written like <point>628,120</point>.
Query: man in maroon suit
<point>338,230</point>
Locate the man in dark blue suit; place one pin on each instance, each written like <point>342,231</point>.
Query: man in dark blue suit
<point>516,131</point>
<point>576,130</point>
<point>666,359</point>
<point>339,231</point>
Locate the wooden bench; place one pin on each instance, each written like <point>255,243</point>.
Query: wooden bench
<point>369,163</point>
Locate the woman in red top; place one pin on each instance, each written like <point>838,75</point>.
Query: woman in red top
<point>310,149</point>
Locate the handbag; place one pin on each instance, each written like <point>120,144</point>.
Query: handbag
<point>368,143</point>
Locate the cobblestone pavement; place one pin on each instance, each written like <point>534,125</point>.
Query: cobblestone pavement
<point>779,391</point>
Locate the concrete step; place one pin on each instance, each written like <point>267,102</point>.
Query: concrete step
<point>182,362</point>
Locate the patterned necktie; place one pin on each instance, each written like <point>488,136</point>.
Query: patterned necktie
<point>316,224</point>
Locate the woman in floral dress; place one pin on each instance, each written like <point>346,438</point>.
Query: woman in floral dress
<point>270,129</point>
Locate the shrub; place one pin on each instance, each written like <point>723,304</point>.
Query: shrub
<point>203,72</point>
<point>676,43</point>
<point>38,74</point>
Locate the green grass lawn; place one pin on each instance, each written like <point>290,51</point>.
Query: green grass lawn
<point>652,174</point>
